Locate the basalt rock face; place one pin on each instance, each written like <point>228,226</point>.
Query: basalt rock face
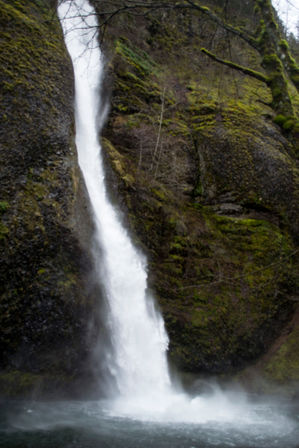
<point>210,187</point>
<point>45,304</point>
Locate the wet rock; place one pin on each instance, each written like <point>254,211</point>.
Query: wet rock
<point>45,306</point>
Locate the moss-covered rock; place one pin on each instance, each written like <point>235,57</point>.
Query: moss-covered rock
<point>283,365</point>
<point>244,155</point>
<point>44,304</point>
<point>210,185</point>
<point>278,370</point>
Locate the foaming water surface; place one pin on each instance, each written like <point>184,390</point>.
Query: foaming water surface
<point>147,409</point>
<point>95,425</point>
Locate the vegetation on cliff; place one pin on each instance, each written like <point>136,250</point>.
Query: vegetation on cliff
<point>44,309</point>
<point>209,181</point>
<point>260,31</point>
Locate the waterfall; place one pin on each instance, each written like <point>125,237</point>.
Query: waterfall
<point>137,363</point>
<point>139,340</point>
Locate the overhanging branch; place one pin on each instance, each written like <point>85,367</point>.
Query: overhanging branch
<point>216,19</point>
<point>133,6</point>
<point>247,71</point>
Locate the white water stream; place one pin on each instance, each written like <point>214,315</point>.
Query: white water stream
<point>137,330</point>
<point>139,364</point>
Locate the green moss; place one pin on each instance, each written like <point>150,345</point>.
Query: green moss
<point>198,190</point>
<point>20,384</point>
<point>4,231</point>
<point>15,12</point>
<point>4,205</point>
<point>284,44</point>
<point>280,119</point>
<point>288,124</point>
<point>118,162</point>
<point>179,244</point>
<point>136,58</point>
<point>272,61</point>
<point>32,34</point>
<point>244,250</point>
<point>284,364</point>
<point>16,383</point>
<point>159,193</point>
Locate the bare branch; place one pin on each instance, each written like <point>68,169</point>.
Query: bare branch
<point>216,19</point>
<point>160,126</point>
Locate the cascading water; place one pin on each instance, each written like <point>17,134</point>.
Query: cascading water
<point>143,390</point>
<point>137,331</point>
<point>139,364</point>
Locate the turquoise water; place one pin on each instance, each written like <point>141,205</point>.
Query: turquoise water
<point>77,424</point>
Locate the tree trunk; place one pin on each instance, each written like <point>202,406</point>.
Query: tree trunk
<point>268,39</point>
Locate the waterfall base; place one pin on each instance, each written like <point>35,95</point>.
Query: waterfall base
<point>93,425</point>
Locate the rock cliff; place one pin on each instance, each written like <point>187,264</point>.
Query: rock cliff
<point>45,302</point>
<point>210,185</point>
